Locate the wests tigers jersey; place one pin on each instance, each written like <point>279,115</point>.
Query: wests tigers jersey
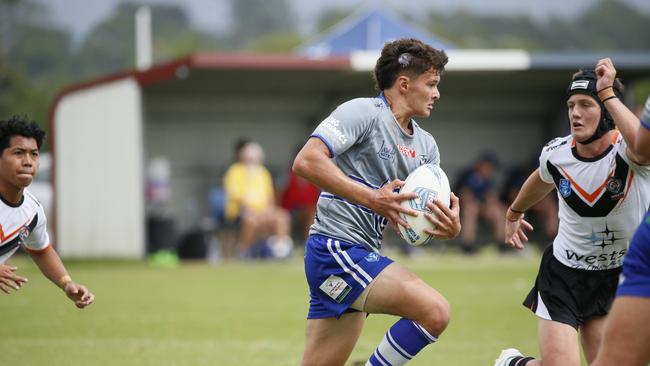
<point>602,200</point>
<point>22,224</point>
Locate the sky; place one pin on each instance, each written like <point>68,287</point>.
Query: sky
<point>213,15</point>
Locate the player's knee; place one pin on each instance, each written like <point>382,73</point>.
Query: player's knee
<point>437,316</point>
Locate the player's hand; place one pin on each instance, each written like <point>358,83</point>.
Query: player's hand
<point>515,234</point>
<point>605,73</point>
<point>445,219</point>
<point>79,294</point>
<point>9,280</point>
<point>386,202</point>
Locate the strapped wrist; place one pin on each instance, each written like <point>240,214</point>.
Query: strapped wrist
<point>606,93</point>
<point>64,280</point>
<point>516,211</point>
<point>517,214</point>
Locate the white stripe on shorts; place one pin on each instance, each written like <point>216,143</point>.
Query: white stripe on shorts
<point>541,310</point>
<point>351,263</point>
<point>340,262</point>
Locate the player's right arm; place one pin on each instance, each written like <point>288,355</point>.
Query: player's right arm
<point>315,164</point>
<point>533,190</point>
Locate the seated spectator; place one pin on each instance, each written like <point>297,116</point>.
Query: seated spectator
<point>299,198</point>
<point>478,199</point>
<point>250,201</point>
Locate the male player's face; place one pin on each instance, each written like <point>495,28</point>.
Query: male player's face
<point>422,92</point>
<point>584,115</point>
<point>19,162</point>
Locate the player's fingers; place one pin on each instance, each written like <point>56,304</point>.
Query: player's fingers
<point>405,196</point>
<point>401,220</point>
<point>526,225</point>
<point>442,213</point>
<point>18,279</point>
<point>81,291</point>
<point>441,207</point>
<point>406,210</point>
<point>10,283</point>
<point>4,288</point>
<point>89,298</point>
<point>395,184</point>
<point>516,242</point>
<point>453,199</point>
<point>522,236</point>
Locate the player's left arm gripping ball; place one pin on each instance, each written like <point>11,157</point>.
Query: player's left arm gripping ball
<point>446,220</point>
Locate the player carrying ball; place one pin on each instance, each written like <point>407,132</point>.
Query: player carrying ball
<point>359,156</point>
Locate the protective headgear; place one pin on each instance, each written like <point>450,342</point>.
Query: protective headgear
<point>585,83</point>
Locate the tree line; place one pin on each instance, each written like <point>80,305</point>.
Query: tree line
<point>38,58</point>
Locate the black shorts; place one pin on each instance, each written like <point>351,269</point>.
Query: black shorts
<point>569,295</point>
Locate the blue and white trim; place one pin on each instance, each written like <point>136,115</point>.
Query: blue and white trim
<point>347,264</point>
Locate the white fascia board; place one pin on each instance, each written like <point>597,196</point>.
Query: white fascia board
<point>459,60</point>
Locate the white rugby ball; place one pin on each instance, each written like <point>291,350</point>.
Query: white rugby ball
<point>429,182</point>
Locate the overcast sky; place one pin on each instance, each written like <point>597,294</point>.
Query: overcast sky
<point>80,15</point>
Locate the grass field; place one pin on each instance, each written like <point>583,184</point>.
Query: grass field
<point>246,314</point>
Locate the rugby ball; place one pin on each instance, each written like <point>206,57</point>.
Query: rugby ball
<point>429,182</point>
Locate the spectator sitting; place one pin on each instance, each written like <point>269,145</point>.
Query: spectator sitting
<point>478,199</point>
<point>250,201</point>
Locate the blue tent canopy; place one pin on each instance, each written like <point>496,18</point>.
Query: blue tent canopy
<point>369,30</point>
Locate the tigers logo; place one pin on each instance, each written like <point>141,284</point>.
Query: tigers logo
<point>614,185</point>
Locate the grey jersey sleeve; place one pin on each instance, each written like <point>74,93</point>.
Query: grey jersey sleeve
<point>347,125</point>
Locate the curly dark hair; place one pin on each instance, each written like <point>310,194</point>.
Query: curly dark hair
<point>17,126</point>
<point>409,56</point>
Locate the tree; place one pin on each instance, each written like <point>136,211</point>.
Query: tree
<point>110,46</point>
<point>606,25</point>
<point>330,17</point>
<point>20,97</point>
<point>260,18</point>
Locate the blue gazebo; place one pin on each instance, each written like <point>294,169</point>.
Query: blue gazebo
<point>367,30</point>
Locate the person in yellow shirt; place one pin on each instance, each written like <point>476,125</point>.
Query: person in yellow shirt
<point>250,200</point>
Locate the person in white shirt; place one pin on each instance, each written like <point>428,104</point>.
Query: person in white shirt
<point>602,181</point>
<point>22,219</point>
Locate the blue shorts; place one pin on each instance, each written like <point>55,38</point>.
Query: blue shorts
<point>337,273</point>
<point>635,280</point>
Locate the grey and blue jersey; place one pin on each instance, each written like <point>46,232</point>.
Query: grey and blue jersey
<point>369,146</point>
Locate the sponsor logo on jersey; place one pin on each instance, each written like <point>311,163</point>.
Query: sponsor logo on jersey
<point>604,237</point>
<point>425,196</point>
<point>386,152</point>
<point>424,159</point>
<point>550,147</point>
<point>372,257</point>
<point>408,152</point>
<point>564,187</point>
<point>601,261</point>
<point>332,124</point>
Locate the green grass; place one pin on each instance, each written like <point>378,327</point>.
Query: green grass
<point>245,314</point>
